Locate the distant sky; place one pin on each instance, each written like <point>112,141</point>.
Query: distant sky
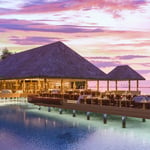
<point>107,32</point>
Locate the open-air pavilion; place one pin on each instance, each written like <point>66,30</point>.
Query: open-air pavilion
<point>57,67</point>
<point>53,66</point>
<point>124,73</point>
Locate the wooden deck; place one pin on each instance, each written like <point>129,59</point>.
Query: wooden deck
<point>113,110</point>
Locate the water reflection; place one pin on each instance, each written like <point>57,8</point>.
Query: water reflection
<point>25,127</point>
<point>35,129</point>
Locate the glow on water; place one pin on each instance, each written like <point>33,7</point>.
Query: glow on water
<point>24,127</point>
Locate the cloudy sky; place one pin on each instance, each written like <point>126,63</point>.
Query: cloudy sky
<point>107,32</point>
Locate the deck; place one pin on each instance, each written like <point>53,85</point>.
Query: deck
<point>112,110</point>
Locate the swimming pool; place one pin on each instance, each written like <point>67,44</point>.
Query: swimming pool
<point>24,127</point>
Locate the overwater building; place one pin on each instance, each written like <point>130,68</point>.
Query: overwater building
<point>53,66</point>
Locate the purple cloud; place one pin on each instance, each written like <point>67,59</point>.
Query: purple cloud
<point>22,25</point>
<point>146,64</point>
<point>5,10</point>
<point>125,57</point>
<point>97,57</point>
<point>102,61</point>
<point>34,2</point>
<point>131,57</point>
<point>33,40</point>
<point>138,2</point>
<point>104,64</point>
<point>144,71</point>
<point>2,30</point>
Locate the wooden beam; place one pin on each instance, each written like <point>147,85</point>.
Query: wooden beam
<point>45,84</point>
<point>39,85</point>
<point>23,85</point>
<point>74,85</point>
<point>116,85</point>
<point>137,85</point>
<point>4,83</point>
<point>129,87</point>
<point>97,85</point>
<point>108,85</point>
<point>86,84</point>
<point>61,86</point>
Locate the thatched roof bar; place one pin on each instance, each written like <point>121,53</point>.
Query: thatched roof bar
<point>54,60</point>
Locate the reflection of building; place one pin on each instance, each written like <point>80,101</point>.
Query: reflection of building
<point>53,66</point>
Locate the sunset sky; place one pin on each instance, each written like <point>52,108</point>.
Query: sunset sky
<point>106,32</point>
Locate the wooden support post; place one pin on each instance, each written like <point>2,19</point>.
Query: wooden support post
<point>137,85</point>
<point>116,85</point>
<point>74,113</point>
<point>86,85</point>
<point>129,86</point>
<point>0,85</point>
<point>49,109</point>
<point>31,86</point>
<point>60,111</point>
<point>97,85</point>
<point>23,85</point>
<point>18,81</point>
<point>61,86</point>
<point>39,85</point>
<point>123,121</point>
<point>105,118</point>
<point>7,84</point>
<point>88,115</point>
<point>108,85</point>
<point>143,120</point>
<point>45,84</point>
<point>4,84</point>
<point>74,85</point>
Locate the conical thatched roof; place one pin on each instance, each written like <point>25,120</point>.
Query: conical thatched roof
<point>55,60</point>
<point>124,73</point>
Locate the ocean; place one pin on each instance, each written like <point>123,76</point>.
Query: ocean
<point>144,86</point>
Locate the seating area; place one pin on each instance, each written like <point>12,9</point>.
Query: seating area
<point>126,99</point>
<point>55,97</point>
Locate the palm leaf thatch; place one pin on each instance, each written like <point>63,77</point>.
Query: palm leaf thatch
<point>54,60</point>
<point>124,73</point>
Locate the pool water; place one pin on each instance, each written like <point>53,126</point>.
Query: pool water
<point>24,127</point>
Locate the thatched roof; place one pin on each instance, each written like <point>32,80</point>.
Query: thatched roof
<point>55,60</point>
<point>124,73</point>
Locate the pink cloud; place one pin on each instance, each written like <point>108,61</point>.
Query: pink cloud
<point>140,44</point>
<point>126,34</point>
<point>124,57</point>
<point>110,6</point>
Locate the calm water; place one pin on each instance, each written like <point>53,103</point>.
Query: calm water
<point>24,127</point>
